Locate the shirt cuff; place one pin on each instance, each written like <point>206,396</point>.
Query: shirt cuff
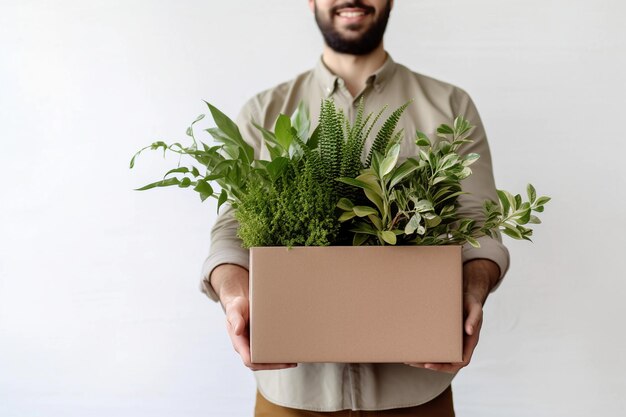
<point>241,258</point>
<point>491,249</point>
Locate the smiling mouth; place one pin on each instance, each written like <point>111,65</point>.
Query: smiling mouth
<point>351,13</point>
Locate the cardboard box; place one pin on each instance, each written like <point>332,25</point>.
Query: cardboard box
<point>362,304</point>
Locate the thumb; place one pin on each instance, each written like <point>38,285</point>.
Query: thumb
<point>236,322</point>
<point>473,318</point>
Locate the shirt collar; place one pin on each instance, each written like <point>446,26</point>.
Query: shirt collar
<point>328,80</point>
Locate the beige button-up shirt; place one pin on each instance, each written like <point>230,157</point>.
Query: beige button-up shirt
<point>364,386</point>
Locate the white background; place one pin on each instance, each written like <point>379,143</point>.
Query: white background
<point>100,313</point>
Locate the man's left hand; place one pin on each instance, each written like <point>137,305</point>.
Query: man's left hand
<point>479,277</point>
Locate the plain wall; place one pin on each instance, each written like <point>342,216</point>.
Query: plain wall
<point>100,312</point>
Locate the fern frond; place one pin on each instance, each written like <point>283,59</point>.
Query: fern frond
<point>386,132</point>
<point>331,140</point>
<point>371,126</point>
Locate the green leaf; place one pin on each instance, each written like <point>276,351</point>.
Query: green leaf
<point>448,161</point>
<point>345,204</point>
<point>159,144</point>
<point>268,137</point>
<point>362,227</point>
<point>356,183</point>
<point>472,242</point>
<point>204,188</point>
<point>422,139</point>
<point>390,161</point>
<point>274,151</point>
<point>389,237</point>
<point>222,121</point>
<point>185,182</point>
<point>534,220</point>
<point>525,216</point>
<point>470,159</point>
<point>132,160</point>
<point>370,179</point>
<point>450,196</point>
<point>222,199</point>
<point>282,130</point>
<point>363,211</point>
<point>432,220</point>
<point>375,198</point>
<point>461,125</point>
<point>403,171</point>
<point>542,201</point>
<point>347,215</point>
<point>314,140</point>
<point>359,239</point>
<point>423,205</point>
<point>445,129</point>
<point>511,231</point>
<point>231,131</point>
<point>505,201</point>
<point>412,224</point>
<point>465,172</point>
<point>179,170</point>
<point>378,223</point>
<point>532,193</point>
<point>276,167</point>
<point>300,120</point>
<point>163,183</point>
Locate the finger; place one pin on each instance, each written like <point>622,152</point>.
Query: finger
<point>469,345</point>
<point>236,315</point>
<point>474,317</point>
<point>271,366</point>
<point>241,343</point>
<point>235,322</point>
<point>444,367</point>
<point>415,364</point>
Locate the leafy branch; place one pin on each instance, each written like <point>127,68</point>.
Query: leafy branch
<point>416,202</point>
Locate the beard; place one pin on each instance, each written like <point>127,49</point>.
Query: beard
<point>360,45</point>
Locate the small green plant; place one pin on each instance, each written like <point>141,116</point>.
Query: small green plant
<point>291,199</point>
<point>416,202</point>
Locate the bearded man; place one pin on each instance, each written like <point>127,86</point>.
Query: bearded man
<point>354,64</point>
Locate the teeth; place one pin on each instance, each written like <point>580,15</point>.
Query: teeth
<point>351,14</point>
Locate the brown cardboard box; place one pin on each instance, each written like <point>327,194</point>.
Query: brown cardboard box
<point>356,304</point>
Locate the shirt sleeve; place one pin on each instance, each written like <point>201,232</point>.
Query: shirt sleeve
<point>226,246</point>
<point>480,186</point>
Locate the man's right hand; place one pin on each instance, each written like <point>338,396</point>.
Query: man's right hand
<point>230,282</point>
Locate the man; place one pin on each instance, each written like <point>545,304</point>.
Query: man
<point>354,63</point>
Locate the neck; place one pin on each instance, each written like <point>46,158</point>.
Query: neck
<point>354,69</point>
